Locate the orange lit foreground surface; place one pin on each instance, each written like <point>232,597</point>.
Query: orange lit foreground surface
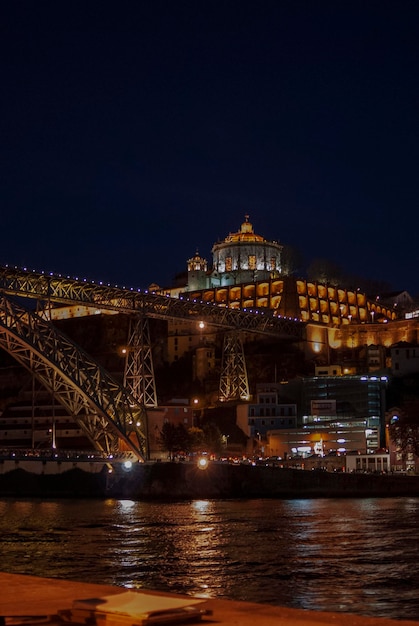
<point>32,596</point>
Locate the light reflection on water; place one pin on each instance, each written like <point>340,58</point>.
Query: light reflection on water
<point>357,556</point>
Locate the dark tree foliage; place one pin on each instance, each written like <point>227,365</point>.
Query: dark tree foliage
<point>324,271</point>
<point>404,429</point>
<point>196,436</point>
<point>206,439</point>
<point>212,438</point>
<point>404,432</point>
<point>174,439</point>
<point>291,260</point>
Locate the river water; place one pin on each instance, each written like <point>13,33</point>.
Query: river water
<point>357,556</point>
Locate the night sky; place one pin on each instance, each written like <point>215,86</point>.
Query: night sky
<point>134,133</point>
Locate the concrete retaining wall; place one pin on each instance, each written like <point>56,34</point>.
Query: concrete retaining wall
<point>180,481</point>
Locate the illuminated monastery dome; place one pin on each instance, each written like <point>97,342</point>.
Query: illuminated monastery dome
<point>245,256</point>
<point>241,257</point>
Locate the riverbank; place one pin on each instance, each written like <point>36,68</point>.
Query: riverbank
<point>32,596</point>
<point>185,481</point>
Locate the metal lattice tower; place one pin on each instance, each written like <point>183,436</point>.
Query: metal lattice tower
<point>233,381</point>
<point>139,372</point>
<point>103,408</point>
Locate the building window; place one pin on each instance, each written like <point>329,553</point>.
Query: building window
<point>273,263</point>
<point>252,262</point>
<point>229,264</point>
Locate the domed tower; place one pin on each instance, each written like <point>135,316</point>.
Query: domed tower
<point>245,256</point>
<point>197,272</point>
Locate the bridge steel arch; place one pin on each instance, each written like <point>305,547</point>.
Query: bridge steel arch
<point>102,407</point>
<point>51,289</point>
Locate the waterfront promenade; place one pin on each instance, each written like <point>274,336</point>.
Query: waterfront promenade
<point>31,596</point>
<point>28,595</point>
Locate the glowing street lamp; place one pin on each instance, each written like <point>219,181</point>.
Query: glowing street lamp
<point>202,463</point>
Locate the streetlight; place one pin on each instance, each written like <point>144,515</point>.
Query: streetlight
<point>202,463</point>
<point>201,326</point>
<point>196,412</point>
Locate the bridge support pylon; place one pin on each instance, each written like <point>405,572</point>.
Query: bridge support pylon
<point>234,384</point>
<point>139,371</point>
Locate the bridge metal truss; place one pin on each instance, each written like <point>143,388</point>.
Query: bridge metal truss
<point>139,371</point>
<point>51,289</point>
<point>101,406</point>
<point>57,289</point>
<point>233,380</point>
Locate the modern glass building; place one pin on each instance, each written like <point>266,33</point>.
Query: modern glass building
<point>346,400</point>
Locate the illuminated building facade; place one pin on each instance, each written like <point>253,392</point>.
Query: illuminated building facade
<point>336,415</point>
<point>298,298</point>
<point>241,257</point>
<point>345,401</point>
<point>269,412</point>
<point>247,273</point>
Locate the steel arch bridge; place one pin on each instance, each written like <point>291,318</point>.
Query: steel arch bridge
<point>105,410</point>
<point>102,408</point>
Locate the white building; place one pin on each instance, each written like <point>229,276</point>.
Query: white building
<point>241,257</point>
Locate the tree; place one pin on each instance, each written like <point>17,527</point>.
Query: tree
<point>291,261</point>
<point>324,271</point>
<point>406,437</point>
<point>174,439</point>
<point>404,432</point>
<point>196,438</point>
<point>208,438</point>
<point>212,438</point>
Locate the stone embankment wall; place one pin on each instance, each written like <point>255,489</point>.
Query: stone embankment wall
<point>184,481</point>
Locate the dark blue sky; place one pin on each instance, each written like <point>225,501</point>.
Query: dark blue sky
<point>133,133</point>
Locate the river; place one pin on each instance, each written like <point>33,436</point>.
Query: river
<point>357,555</point>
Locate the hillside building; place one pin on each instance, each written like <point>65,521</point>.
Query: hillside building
<point>404,358</point>
<point>268,412</point>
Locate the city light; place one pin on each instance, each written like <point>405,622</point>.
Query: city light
<point>202,463</point>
